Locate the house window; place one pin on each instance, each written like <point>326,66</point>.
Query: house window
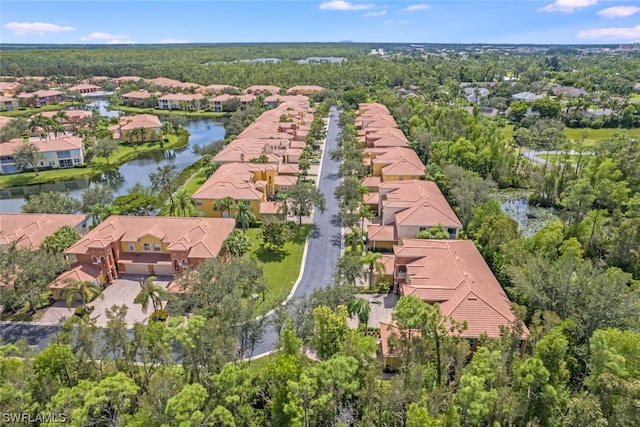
<point>132,247</point>
<point>452,233</point>
<point>198,202</point>
<point>283,188</point>
<point>94,260</point>
<point>52,163</point>
<point>183,262</point>
<point>147,247</point>
<point>76,160</point>
<point>156,247</point>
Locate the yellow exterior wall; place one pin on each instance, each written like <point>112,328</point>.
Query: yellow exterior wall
<point>207,209</point>
<point>139,245</point>
<point>375,244</point>
<point>401,177</point>
<point>150,135</point>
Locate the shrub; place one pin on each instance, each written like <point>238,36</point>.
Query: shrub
<point>159,316</point>
<point>83,310</point>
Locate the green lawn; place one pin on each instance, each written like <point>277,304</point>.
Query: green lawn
<point>31,111</point>
<point>598,134</point>
<point>507,132</point>
<point>281,268</point>
<point>96,166</point>
<point>199,113</point>
<point>194,183</point>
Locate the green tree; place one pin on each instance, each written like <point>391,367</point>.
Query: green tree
<point>435,232</point>
<point>477,395</point>
<point>244,216</point>
<point>303,198</point>
<point>225,204</point>
<point>27,155</point>
<point>184,202</point>
<point>51,202</point>
<point>349,269</point>
<point>150,292</point>
<point>518,111</point>
<point>163,181</point>
<point>374,261</point>
<point>274,234</point>
<point>360,308</point>
<point>186,408</point>
<point>331,330</point>
<point>62,239</point>
<point>104,147</point>
<point>237,244</point>
<point>95,201</point>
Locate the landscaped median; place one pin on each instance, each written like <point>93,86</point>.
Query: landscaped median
<point>97,165</point>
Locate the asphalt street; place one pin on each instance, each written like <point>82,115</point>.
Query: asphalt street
<point>324,247</point>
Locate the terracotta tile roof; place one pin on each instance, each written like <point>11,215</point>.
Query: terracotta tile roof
<point>288,169</point>
<point>387,331</point>
<point>165,82</point>
<point>29,230</point>
<point>123,79</point>
<point>262,88</point>
<point>81,273</point>
<point>421,203</point>
<point>138,121</point>
<point>383,233</point>
<point>73,114</point>
<point>40,94</point>
<point>232,180</point>
<point>373,106</point>
<point>388,141</point>
<point>304,89</point>
<point>270,208</point>
<point>216,88</point>
<point>5,120</point>
<point>138,94</point>
<point>371,198</point>
<point>46,146</point>
<point>7,99</point>
<point>202,237</point>
<point>84,87</point>
<point>454,273</point>
<point>372,182</point>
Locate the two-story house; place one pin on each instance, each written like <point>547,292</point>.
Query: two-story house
<point>8,103</point>
<point>160,246</point>
<point>64,152</point>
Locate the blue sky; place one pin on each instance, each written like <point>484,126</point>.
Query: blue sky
<point>440,21</point>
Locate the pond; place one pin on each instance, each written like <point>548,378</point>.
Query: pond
<point>530,219</point>
<point>202,131</point>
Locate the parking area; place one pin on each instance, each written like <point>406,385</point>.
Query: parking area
<point>121,292</point>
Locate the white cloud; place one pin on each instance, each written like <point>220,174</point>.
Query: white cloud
<point>415,7</point>
<point>169,41</point>
<point>393,22</point>
<point>120,42</point>
<point>378,13</point>
<point>567,6</point>
<point>628,33</point>
<point>619,11</point>
<point>38,28</point>
<point>344,5</point>
<point>103,36</point>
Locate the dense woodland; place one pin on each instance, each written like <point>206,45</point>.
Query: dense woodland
<point>574,283</point>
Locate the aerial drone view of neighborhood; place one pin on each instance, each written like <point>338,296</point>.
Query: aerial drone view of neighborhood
<point>400,214</point>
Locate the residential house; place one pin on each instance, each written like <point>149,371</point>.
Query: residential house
<point>5,121</point>
<point>217,89</point>
<point>63,152</point>
<point>173,84</point>
<point>526,96</point>
<point>41,98</point>
<point>262,89</point>
<point>395,163</point>
<point>161,246</point>
<point>136,97</point>
<point>85,88</point>
<point>180,101</point>
<point>304,90</point>
<point>453,274</point>
<point>9,88</point>
<point>475,94</point>
<point>27,230</point>
<point>138,128</point>
<point>8,103</point>
<point>217,103</point>
<point>276,99</point>
<point>74,117</point>
<point>407,208</point>
<point>126,79</point>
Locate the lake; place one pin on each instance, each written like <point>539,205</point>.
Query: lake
<point>202,131</point>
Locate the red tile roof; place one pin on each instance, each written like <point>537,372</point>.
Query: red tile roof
<point>29,230</point>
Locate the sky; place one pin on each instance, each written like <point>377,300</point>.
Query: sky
<point>213,21</point>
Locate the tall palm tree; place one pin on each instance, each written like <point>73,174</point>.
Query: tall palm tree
<point>36,123</point>
<point>62,116</point>
<point>224,204</point>
<point>184,202</point>
<point>282,198</point>
<point>244,217</point>
<point>360,308</point>
<point>166,129</point>
<point>364,212</point>
<point>150,292</point>
<point>57,128</point>
<point>76,288</point>
<point>374,261</point>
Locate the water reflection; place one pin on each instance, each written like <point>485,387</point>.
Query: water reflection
<point>203,130</point>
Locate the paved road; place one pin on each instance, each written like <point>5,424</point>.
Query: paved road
<point>322,253</point>
<point>534,156</point>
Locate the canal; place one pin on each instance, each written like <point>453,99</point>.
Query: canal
<point>203,130</point>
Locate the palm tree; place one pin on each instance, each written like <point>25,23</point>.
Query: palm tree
<point>61,116</point>
<point>183,202</point>
<point>57,128</point>
<point>360,308</point>
<point>166,129</point>
<point>76,288</point>
<point>364,212</point>
<point>224,204</point>
<point>37,122</point>
<point>244,217</point>
<point>284,204</point>
<point>354,238</point>
<point>374,261</point>
<point>133,134</point>
<point>149,291</point>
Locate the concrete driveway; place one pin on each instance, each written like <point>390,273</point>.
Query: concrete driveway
<point>121,292</point>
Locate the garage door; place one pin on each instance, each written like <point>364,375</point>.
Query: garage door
<point>137,268</point>
<point>163,270</point>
